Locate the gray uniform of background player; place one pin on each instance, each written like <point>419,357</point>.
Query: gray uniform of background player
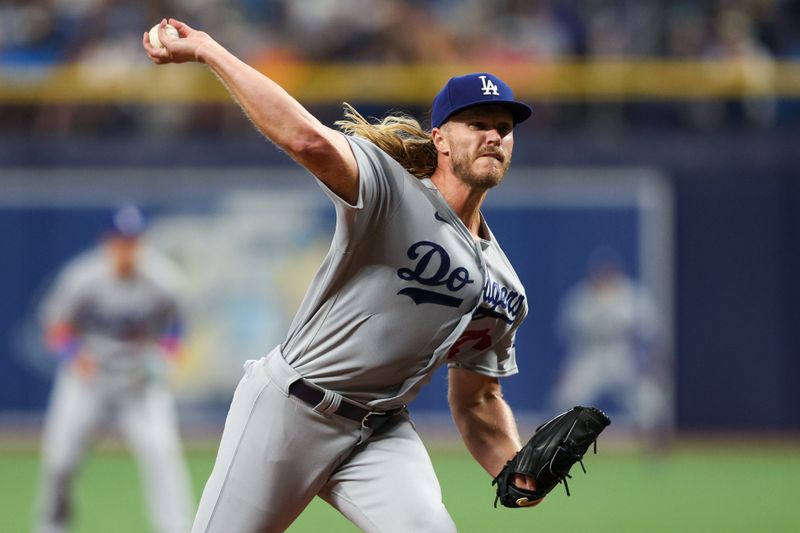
<point>403,281</point>
<point>615,343</point>
<point>117,323</point>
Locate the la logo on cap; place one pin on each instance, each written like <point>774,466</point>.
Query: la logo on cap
<point>489,87</point>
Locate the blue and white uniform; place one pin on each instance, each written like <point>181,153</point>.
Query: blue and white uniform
<point>120,327</point>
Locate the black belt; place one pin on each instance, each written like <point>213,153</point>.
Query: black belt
<point>368,419</point>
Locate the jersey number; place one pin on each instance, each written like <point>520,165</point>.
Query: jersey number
<point>481,340</point>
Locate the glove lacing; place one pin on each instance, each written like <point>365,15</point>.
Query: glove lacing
<point>575,458</point>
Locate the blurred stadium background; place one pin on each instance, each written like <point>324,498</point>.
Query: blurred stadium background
<point>666,130</point>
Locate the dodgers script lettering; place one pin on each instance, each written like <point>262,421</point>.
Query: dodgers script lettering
<point>499,302</point>
<point>432,269</point>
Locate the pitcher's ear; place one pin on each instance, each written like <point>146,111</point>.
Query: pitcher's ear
<point>440,141</point>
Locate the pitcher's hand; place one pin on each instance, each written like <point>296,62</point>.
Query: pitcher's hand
<point>180,50</point>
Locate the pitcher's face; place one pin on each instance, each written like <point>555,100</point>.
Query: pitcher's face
<point>480,140</point>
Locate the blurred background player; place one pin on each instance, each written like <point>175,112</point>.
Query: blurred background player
<point>112,318</point>
<point>615,349</point>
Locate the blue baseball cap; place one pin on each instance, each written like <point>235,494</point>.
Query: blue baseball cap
<point>466,91</point>
<point>127,221</point>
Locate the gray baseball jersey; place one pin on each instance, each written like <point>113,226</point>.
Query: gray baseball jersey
<point>404,287</point>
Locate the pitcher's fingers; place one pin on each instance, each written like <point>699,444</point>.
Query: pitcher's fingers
<point>183,29</point>
<point>146,44</point>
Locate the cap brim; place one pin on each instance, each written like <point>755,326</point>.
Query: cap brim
<point>519,112</point>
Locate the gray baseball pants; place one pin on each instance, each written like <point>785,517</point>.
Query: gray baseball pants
<point>278,452</point>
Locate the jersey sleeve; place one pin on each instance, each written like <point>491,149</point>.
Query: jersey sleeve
<point>58,311</point>
<point>381,182</point>
<point>488,345</point>
<point>173,332</point>
<point>497,360</point>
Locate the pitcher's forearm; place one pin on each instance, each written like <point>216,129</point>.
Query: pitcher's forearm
<point>273,111</point>
<point>489,432</point>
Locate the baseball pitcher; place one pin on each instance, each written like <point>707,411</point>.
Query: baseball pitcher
<point>414,279</point>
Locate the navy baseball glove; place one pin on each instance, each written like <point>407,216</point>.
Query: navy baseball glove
<point>548,456</point>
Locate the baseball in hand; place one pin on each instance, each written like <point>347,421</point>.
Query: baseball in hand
<point>170,30</point>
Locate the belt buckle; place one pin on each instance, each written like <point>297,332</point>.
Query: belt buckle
<point>365,420</point>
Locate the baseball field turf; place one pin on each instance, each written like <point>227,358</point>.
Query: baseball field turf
<point>725,484</point>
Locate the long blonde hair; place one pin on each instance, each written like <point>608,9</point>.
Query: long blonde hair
<point>399,135</point>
